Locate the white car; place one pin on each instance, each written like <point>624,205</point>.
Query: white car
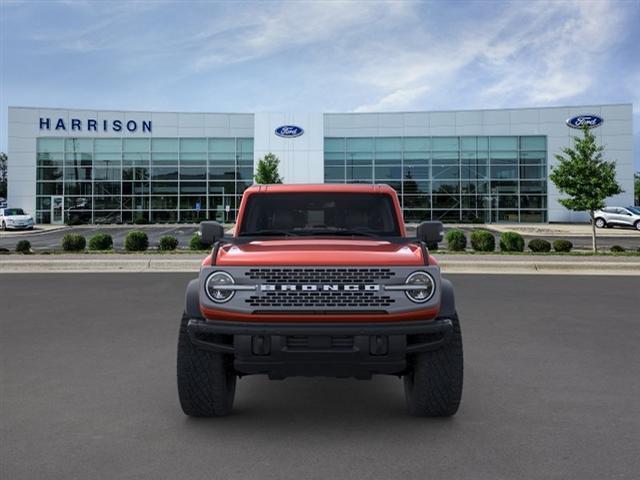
<point>15,218</point>
<point>618,216</point>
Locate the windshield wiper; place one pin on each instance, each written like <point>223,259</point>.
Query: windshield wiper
<point>259,233</point>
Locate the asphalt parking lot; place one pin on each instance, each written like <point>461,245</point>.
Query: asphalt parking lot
<point>88,390</point>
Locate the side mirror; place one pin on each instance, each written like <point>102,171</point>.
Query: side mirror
<point>211,232</point>
<point>430,232</point>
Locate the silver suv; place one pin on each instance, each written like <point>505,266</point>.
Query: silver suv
<point>618,216</point>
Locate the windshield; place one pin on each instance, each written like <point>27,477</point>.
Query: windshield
<point>635,210</point>
<point>13,211</point>
<point>338,214</point>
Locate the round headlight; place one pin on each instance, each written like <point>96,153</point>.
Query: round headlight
<point>422,285</point>
<point>216,280</point>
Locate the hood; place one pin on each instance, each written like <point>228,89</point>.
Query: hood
<point>314,251</point>
<point>18,218</point>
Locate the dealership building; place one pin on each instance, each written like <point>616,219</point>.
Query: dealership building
<point>106,166</point>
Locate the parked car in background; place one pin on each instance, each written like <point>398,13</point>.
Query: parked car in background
<point>15,218</point>
<point>618,217</point>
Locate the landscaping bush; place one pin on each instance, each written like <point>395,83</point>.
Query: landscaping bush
<point>23,246</point>
<point>483,241</point>
<point>511,242</point>
<point>562,246</point>
<point>136,241</point>
<point>456,240</point>
<point>539,245</point>
<point>167,243</point>
<point>141,220</point>
<point>101,241</point>
<point>618,249</point>
<point>5,251</point>
<point>196,243</point>
<point>73,242</point>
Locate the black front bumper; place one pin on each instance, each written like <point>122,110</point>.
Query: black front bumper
<point>320,349</point>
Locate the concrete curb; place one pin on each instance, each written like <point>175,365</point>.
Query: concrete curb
<point>169,264</point>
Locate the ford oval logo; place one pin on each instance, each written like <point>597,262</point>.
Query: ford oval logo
<point>289,131</point>
<point>581,121</point>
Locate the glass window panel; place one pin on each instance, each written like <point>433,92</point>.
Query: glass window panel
<point>359,158</point>
<point>507,201</point>
<point>77,173</point>
<point>537,171</point>
<point>445,172</point>
<point>77,188</point>
<point>193,158</point>
<point>78,145</point>
<point>245,173</point>
<point>108,145</point>
<point>388,144</point>
<point>446,158</point>
<point>396,185</point>
<point>242,186</point>
<point>193,173</point>
<point>127,173</point>
<point>504,187</point>
<point>533,201</point>
<point>135,203</point>
<point>136,158</point>
<point>159,188</point>
<point>359,173</point>
<point>417,144</point>
<point>416,201</point>
<point>107,173</point>
<point>468,158</point>
<point>535,158</point>
<point>193,187</point>
<point>444,144</point>
<point>135,145</point>
<point>169,145</point>
<point>472,171</point>
<point>474,216</point>
<point>43,203</point>
<point>160,216</point>
<point>191,203</point>
<point>388,158</point>
<point>221,173</point>
<point>504,143</point>
<point>188,145</point>
<point>416,216</point>
<point>244,145</point>
<point>106,217</point>
<point>43,217</point>
<point>221,159</point>
<point>165,201</point>
<point>164,159</point>
<point>334,173</point>
<point>482,143</point>
<point>527,216</point>
<point>165,173</point>
<point>49,188</point>
<point>468,143</point>
<point>334,144</point>
<point>382,172</point>
<point>45,173</point>
<point>533,187</point>
<point>227,188</point>
<point>50,159</point>
<point>415,172</point>
<point>77,203</point>
<point>416,158</point>
<point>50,145</point>
<point>446,215</point>
<point>106,188</point>
<point>359,144</point>
<point>334,159</point>
<point>107,203</point>
<point>533,143</point>
<point>135,188</point>
<point>445,187</point>
<point>506,172</point>
<point>412,187</point>
<point>78,159</point>
<point>507,216</point>
<point>474,187</point>
<point>504,158</point>
<point>222,145</point>
<point>107,159</point>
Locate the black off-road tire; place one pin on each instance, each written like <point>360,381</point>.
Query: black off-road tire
<point>433,386</point>
<point>206,380</point>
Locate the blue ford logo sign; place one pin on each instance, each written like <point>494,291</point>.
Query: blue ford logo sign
<point>289,131</point>
<point>581,121</point>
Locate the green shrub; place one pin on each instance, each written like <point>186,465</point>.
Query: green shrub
<point>136,241</point>
<point>511,242</point>
<point>196,243</point>
<point>483,241</point>
<point>73,242</point>
<point>6,251</point>
<point>539,245</point>
<point>562,245</point>
<point>141,220</point>
<point>456,240</point>
<point>618,249</point>
<point>23,246</point>
<point>101,241</point>
<point>168,243</point>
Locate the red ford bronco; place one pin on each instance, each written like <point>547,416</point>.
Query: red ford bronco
<point>320,280</point>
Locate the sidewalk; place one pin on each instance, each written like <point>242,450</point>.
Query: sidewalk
<point>450,263</point>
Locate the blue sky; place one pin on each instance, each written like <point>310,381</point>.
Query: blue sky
<point>318,55</point>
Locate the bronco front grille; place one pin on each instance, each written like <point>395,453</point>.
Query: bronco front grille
<point>319,299</point>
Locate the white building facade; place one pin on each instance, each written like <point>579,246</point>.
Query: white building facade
<point>458,166</point>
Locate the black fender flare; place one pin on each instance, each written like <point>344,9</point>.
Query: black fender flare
<point>447,300</point>
<point>192,299</point>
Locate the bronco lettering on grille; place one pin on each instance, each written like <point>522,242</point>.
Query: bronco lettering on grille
<point>320,288</point>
